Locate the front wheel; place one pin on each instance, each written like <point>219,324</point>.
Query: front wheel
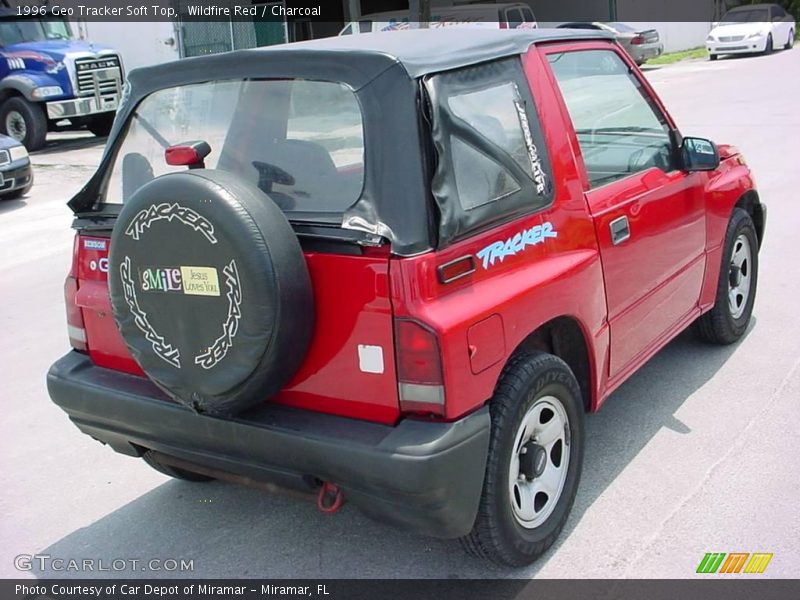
<point>534,462</point>
<point>736,286</point>
<point>713,56</point>
<point>769,47</point>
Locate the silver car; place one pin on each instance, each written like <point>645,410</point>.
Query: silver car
<point>642,45</point>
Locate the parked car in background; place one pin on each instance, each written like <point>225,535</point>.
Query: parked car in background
<point>489,16</point>
<point>753,28</point>
<point>46,76</point>
<point>16,175</point>
<point>642,45</point>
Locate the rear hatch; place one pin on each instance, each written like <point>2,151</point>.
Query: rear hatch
<point>316,128</point>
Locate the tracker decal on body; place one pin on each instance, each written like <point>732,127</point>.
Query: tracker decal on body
<point>512,246</point>
<point>169,211</point>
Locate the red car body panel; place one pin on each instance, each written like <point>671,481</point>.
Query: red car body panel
<point>628,299</point>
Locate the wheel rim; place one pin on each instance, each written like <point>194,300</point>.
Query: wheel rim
<point>539,462</point>
<point>15,125</point>
<point>791,39</point>
<point>739,275</point>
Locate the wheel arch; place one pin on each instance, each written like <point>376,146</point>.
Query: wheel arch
<point>751,203</point>
<point>565,338</point>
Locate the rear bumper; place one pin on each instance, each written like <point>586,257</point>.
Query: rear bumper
<point>644,52</point>
<point>422,475</point>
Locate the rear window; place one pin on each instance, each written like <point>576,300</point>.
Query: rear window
<point>299,141</point>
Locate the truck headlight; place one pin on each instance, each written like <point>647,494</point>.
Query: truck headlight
<point>47,91</point>
<point>18,152</point>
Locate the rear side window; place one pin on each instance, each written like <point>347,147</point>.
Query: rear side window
<point>492,161</point>
<point>301,142</point>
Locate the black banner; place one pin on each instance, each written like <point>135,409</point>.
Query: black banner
<point>733,588</point>
<point>335,11</point>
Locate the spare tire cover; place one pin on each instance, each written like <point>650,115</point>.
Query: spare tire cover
<point>210,290</point>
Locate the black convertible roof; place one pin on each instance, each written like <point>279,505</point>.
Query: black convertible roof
<point>358,59</point>
<point>382,70</point>
<point>423,51</point>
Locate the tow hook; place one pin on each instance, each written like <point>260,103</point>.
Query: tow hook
<point>330,498</point>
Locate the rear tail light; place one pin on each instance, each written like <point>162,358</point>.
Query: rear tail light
<point>419,368</point>
<point>75,326</point>
<point>637,40</point>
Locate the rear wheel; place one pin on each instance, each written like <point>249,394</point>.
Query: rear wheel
<point>534,462</point>
<point>24,121</point>
<point>790,41</point>
<point>736,287</point>
<point>174,472</point>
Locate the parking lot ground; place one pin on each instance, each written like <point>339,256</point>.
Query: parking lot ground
<point>696,453</point>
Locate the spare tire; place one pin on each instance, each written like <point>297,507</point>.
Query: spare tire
<point>210,290</point>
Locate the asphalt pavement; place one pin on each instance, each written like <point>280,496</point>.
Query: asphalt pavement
<point>697,453</point>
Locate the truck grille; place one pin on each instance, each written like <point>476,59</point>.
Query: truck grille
<point>731,38</point>
<point>101,74</point>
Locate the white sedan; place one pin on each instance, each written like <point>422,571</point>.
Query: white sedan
<point>751,28</point>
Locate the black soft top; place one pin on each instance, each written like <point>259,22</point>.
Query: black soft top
<point>383,70</point>
<point>418,51</point>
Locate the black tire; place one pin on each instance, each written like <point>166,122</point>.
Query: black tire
<point>33,118</point>
<point>174,472</point>
<point>769,47</point>
<point>101,124</point>
<point>790,42</point>
<point>231,330</point>
<point>497,534</point>
<point>721,325</point>
<point>713,56</point>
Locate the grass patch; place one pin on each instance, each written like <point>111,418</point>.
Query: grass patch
<point>673,57</point>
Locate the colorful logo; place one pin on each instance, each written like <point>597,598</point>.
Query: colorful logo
<point>734,562</point>
<point>194,281</point>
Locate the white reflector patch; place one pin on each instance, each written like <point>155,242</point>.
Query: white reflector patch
<point>76,333</point>
<point>370,359</point>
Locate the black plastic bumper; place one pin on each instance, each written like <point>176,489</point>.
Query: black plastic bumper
<point>425,476</point>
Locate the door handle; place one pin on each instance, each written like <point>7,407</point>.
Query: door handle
<point>620,230</point>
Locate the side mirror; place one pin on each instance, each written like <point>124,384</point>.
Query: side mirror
<point>699,154</point>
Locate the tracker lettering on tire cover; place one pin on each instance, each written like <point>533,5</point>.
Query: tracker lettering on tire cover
<point>210,290</point>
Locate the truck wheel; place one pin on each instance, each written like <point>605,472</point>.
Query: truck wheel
<point>736,288</point>
<point>24,121</point>
<point>174,472</point>
<point>534,462</point>
<point>101,124</point>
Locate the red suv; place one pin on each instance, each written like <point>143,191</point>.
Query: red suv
<point>396,269</point>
